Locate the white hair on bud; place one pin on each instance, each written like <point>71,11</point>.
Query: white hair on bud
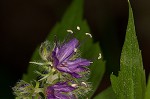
<point>88,34</point>
<point>78,28</point>
<point>37,63</point>
<point>100,56</point>
<point>70,31</point>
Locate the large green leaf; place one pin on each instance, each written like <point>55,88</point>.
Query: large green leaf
<point>147,93</point>
<point>71,19</point>
<point>106,94</point>
<point>130,83</point>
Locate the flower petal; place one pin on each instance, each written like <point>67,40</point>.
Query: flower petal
<point>60,90</point>
<point>55,60</point>
<point>64,69</point>
<point>80,69</point>
<point>77,63</point>
<point>76,75</point>
<point>63,87</point>
<point>50,93</point>
<point>62,96</point>
<point>67,50</point>
<point>74,66</point>
<point>51,97</point>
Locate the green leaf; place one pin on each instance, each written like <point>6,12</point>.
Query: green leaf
<point>106,94</point>
<point>130,83</point>
<point>147,93</point>
<point>71,19</point>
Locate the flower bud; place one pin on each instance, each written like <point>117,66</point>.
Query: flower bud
<point>23,89</point>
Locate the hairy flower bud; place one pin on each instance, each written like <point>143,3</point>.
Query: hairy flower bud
<point>23,89</point>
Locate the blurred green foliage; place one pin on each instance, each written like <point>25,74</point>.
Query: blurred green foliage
<point>106,94</point>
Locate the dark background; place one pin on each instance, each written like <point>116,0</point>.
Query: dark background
<point>24,24</point>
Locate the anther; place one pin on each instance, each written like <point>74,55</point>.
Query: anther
<point>75,49</point>
<point>88,34</point>
<point>78,28</point>
<point>84,84</point>
<point>100,56</point>
<point>91,62</point>
<point>74,85</point>
<point>70,31</point>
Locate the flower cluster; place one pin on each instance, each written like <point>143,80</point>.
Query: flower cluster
<point>62,74</point>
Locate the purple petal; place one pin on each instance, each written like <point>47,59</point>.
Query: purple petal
<point>63,87</point>
<point>51,97</point>
<point>74,66</point>
<point>55,60</point>
<point>50,93</point>
<point>58,90</point>
<point>78,63</point>
<point>80,69</point>
<point>77,70</point>
<point>67,50</point>
<point>62,96</point>
<point>64,69</point>
<point>70,71</point>
<point>69,66</point>
<point>56,49</point>
<point>76,75</point>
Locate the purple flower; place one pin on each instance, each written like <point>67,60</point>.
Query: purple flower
<point>60,91</point>
<point>61,56</point>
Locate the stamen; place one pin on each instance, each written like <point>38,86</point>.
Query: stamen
<point>85,39</point>
<point>68,36</point>
<point>100,56</point>
<point>91,62</point>
<point>71,34</point>
<point>88,34</point>
<point>74,85</point>
<point>78,28</point>
<point>70,31</point>
<point>84,84</point>
<point>75,49</point>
